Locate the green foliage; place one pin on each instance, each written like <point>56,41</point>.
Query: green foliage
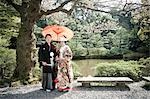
<point>146,66</point>
<point>133,56</point>
<point>98,51</point>
<point>37,72</point>
<point>121,68</point>
<point>115,51</point>
<point>3,42</point>
<point>78,50</point>
<point>44,22</point>
<point>9,21</point>
<point>76,72</point>
<point>97,30</point>
<point>118,51</point>
<point>7,62</point>
<point>9,26</point>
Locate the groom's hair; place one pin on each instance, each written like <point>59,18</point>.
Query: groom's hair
<point>47,35</point>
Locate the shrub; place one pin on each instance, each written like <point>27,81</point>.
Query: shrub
<point>98,51</point>
<point>146,66</point>
<point>121,68</point>
<point>37,72</point>
<point>133,56</point>
<point>115,51</point>
<point>76,70</point>
<point>7,62</point>
<point>80,52</point>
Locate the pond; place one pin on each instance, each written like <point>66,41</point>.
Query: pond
<point>86,66</point>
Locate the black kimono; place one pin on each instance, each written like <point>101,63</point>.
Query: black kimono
<point>49,73</point>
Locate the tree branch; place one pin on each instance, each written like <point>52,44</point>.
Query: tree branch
<point>109,12</point>
<point>60,8</point>
<point>93,9</point>
<point>138,4</point>
<point>70,11</point>
<point>17,7</point>
<point>125,5</point>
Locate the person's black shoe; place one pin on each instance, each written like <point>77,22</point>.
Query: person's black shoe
<point>43,89</point>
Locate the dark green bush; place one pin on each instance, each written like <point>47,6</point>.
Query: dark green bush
<point>80,52</point>
<point>146,66</point>
<point>98,51</point>
<point>90,52</point>
<point>7,62</point>
<point>133,56</point>
<point>121,68</point>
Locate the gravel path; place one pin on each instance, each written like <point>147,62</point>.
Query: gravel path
<point>99,92</point>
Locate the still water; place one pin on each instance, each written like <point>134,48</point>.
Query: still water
<point>86,66</point>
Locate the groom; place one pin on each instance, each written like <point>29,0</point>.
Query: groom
<point>47,54</point>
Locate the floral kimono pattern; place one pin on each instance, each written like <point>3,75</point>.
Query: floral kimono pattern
<point>65,73</point>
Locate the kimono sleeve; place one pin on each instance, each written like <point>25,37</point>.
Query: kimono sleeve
<point>40,54</point>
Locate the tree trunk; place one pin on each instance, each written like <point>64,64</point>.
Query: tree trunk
<point>26,41</point>
<point>25,51</point>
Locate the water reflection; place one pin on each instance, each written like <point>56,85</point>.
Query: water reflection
<point>86,67</point>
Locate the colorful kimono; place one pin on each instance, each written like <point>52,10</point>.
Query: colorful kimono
<point>65,73</point>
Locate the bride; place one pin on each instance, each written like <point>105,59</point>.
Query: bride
<point>65,74</point>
